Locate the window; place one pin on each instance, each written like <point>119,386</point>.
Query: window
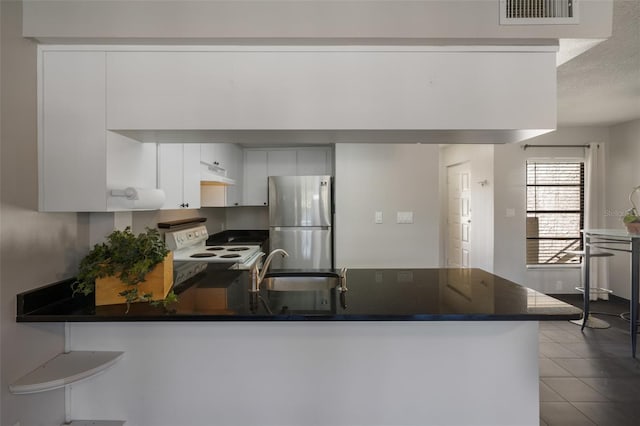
<point>555,211</point>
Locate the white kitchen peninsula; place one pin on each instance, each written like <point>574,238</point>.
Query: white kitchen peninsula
<point>400,347</point>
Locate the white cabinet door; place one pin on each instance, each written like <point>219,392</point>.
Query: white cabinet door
<point>401,90</point>
<point>208,152</point>
<point>179,175</point>
<point>255,178</point>
<point>314,161</point>
<point>71,145</point>
<point>281,163</point>
<point>229,157</point>
<point>235,170</point>
<point>170,176</point>
<point>261,163</point>
<point>191,175</point>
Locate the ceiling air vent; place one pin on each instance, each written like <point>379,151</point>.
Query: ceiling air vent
<point>541,12</point>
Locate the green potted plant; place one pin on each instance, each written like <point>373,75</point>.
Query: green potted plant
<point>127,268</point>
<point>631,220</point>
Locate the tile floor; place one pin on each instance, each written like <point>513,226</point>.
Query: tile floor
<point>589,378</point>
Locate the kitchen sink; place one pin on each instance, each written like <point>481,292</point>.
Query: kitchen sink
<point>300,282</point>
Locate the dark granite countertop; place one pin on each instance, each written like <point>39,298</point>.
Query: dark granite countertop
<point>373,295</point>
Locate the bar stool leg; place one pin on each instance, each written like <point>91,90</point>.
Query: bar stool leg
<point>586,320</point>
<point>635,276</point>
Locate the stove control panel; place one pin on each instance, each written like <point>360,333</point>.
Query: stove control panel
<point>185,238</point>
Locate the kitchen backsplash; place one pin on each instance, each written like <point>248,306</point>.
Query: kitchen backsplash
<point>247,217</point>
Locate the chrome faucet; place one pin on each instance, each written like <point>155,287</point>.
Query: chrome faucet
<point>256,275</point>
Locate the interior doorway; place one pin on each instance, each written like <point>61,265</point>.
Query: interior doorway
<point>458,215</point>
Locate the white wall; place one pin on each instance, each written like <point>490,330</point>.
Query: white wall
<point>480,158</point>
<point>386,178</point>
<point>623,174</point>
<point>36,248</point>
<point>509,191</point>
<point>189,20</point>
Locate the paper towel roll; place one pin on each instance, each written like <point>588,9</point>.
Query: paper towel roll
<point>137,198</point>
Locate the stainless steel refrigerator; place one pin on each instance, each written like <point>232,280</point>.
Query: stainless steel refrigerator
<point>300,221</point>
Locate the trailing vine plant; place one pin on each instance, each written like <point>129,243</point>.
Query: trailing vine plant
<point>129,258</point>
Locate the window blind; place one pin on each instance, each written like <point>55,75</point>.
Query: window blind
<point>555,211</point>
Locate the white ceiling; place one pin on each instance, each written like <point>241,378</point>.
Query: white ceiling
<point>602,85</point>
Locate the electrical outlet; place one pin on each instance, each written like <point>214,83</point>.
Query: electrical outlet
<point>404,217</point>
<point>405,277</point>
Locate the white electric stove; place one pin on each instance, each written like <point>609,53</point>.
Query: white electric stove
<point>189,245</point>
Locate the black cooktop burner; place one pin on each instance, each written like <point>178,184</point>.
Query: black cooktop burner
<point>229,256</point>
<point>196,255</point>
<point>238,249</point>
<point>215,248</point>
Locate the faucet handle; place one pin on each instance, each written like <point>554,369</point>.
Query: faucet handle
<point>343,280</point>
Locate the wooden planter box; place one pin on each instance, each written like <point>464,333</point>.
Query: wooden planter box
<point>158,282</point>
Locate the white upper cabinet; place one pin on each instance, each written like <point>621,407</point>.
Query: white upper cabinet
<point>229,159</point>
<point>179,175</point>
<point>338,89</point>
<point>79,161</point>
<point>314,161</point>
<point>281,163</point>
<point>255,178</point>
<point>259,164</point>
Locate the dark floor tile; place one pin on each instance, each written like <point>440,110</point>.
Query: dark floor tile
<point>563,414</point>
<point>587,349</point>
<point>564,336</point>
<point>603,386</point>
<point>543,339</point>
<point>607,414</point>
<point>616,389</point>
<point>555,350</point>
<point>549,395</point>
<point>588,367</point>
<point>548,368</point>
<point>573,390</point>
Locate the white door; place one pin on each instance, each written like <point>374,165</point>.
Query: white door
<point>459,216</point>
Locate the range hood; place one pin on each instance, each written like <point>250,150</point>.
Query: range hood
<point>212,174</point>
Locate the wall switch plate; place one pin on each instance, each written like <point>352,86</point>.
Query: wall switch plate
<point>511,212</point>
<point>404,217</point>
<point>378,217</point>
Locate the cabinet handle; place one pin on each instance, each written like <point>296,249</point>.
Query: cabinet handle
<point>186,205</point>
<point>264,204</point>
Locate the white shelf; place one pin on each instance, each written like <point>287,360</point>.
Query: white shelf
<point>65,369</point>
<point>95,423</point>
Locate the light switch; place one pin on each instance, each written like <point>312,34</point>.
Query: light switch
<point>511,212</point>
<point>404,217</point>
<point>378,218</point>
